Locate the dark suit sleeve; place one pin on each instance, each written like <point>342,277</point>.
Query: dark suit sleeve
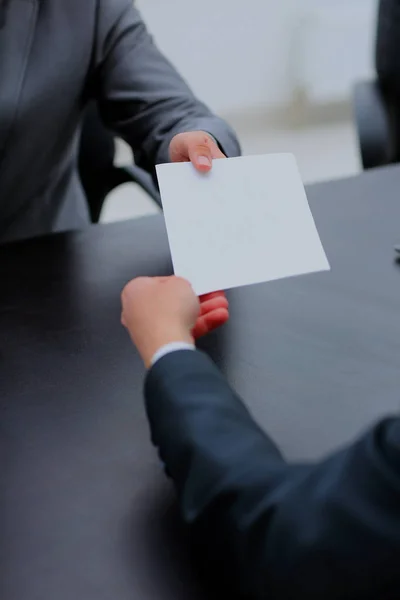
<point>142,97</point>
<point>329,530</point>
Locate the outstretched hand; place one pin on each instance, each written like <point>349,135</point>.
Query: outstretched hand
<point>160,310</point>
<point>197,147</point>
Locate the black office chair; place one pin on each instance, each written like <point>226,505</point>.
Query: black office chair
<point>377,103</point>
<point>99,175</point>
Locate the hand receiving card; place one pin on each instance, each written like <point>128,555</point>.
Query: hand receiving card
<point>247,221</point>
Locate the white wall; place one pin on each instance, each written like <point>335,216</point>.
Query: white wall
<point>241,54</point>
<point>232,52</point>
<point>335,46</point>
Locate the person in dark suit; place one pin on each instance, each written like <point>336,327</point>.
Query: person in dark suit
<point>57,56</point>
<point>329,530</point>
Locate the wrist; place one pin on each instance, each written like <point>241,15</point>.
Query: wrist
<point>156,342</point>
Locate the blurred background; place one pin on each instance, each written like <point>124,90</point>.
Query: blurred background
<point>282,73</point>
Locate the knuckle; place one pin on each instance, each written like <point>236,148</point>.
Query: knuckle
<point>203,148</point>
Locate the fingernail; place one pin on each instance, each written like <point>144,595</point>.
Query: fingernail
<point>204,161</point>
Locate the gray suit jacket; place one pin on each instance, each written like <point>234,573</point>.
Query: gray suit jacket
<point>55,55</point>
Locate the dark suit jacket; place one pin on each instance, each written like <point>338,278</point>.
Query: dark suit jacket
<point>326,530</point>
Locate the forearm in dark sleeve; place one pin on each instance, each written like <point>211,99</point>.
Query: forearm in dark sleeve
<point>327,530</point>
<point>142,97</point>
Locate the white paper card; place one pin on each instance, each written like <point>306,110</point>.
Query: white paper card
<point>247,221</point>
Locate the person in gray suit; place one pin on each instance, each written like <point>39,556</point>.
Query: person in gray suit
<point>56,56</point>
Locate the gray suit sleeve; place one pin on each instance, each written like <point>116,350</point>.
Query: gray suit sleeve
<point>142,97</point>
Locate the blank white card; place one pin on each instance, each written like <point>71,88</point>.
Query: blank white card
<point>247,221</point>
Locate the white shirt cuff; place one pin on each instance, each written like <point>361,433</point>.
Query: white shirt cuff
<point>169,348</point>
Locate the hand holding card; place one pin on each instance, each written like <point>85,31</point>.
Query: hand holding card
<point>158,311</point>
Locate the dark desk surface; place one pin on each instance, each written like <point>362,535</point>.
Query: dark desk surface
<point>85,509</point>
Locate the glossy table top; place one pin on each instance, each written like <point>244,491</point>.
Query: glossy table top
<point>87,510</point>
